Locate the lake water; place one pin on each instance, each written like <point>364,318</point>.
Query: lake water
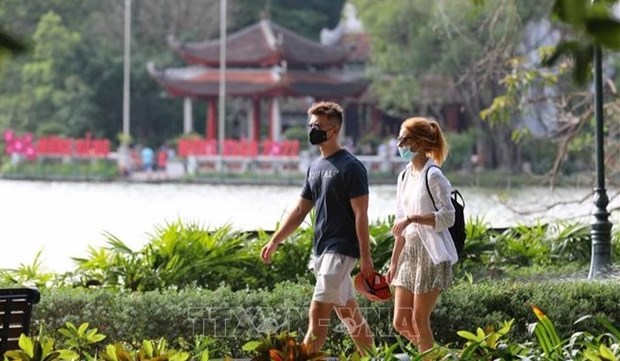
<point>63,219</point>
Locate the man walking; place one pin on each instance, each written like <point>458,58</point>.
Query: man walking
<point>336,185</point>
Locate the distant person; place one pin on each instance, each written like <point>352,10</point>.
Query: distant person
<point>124,160</point>
<point>171,153</point>
<point>423,253</point>
<point>336,185</point>
<point>192,164</point>
<point>162,158</point>
<point>147,156</point>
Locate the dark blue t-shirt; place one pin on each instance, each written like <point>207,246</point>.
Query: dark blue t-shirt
<point>330,184</point>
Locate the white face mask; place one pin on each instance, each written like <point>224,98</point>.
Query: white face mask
<point>406,153</point>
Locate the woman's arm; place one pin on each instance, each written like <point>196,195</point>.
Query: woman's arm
<point>399,242</point>
<point>443,217</point>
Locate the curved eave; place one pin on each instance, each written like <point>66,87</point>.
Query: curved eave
<point>262,44</point>
<point>259,83</point>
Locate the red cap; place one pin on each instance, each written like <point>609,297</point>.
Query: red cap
<point>375,288</point>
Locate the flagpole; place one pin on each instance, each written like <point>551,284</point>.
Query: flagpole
<point>222,84</point>
<point>126,69</point>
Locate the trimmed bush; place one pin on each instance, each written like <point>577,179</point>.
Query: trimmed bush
<point>235,317</point>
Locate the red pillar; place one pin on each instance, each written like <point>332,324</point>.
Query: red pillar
<point>211,127</point>
<point>256,119</point>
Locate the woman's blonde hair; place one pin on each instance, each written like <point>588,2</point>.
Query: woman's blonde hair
<point>428,134</point>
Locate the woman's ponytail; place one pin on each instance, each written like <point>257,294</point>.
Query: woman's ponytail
<point>439,150</point>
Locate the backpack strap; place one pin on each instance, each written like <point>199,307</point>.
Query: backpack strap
<point>402,174</point>
<point>428,189</point>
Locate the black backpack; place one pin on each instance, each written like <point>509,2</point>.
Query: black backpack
<point>457,231</point>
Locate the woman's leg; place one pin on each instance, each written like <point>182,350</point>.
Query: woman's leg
<point>423,306</point>
<point>403,314</point>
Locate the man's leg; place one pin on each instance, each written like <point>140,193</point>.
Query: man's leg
<point>333,287</point>
<point>319,315</point>
<point>351,316</point>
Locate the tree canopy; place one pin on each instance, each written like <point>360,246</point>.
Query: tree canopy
<point>69,81</point>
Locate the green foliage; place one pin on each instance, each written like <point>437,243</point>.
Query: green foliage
<point>593,23</point>
<point>546,334</point>
<point>81,339</point>
<point>149,351</point>
<point>300,134</point>
<point>81,345</point>
<point>307,17</point>
<point>79,61</point>
<point>539,153</point>
<point>381,242</point>
<point>553,347</point>
<point>290,262</point>
<point>490,344</point>
<point>54,169</point>
<point>478,246</point>
<point>426,54</point>
<point>9,45</point>
<point>461,146</point>
<point>222,321</point>
<point>591,337</point>
<point>50,91</point>
<point>544,244</point>
<point>34,273</point>
<point>183,255</point>
<point>523,245</point>
<point>38,349</point>
<point>179,255</point>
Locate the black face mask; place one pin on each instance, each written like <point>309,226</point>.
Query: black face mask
<point>317,136</point>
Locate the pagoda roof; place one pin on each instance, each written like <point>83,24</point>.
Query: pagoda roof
<point>262,44</point>
<point>202,82</point>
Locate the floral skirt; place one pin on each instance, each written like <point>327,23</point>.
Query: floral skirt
<point>417,272</point>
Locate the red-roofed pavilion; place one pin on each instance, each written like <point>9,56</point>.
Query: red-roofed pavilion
<point>265,62</point>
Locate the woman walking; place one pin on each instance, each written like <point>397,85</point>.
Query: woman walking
<point>423,253</point>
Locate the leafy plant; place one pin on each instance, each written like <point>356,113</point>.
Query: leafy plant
<point>478,245</point>
<point>280,347</point>
<point>605,347</point>
<point>81,339</point>
<point>38,349</point>
<point>382,242</point>
<point>593,23</point>
<point>547,335</point>
<point>490,343</point>
<point>30,274</point>
<point>149,351</point>
<point>524,245</point>
<point>179,255</point>
<point>570,242</point>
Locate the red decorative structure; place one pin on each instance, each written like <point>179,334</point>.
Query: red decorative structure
<point>55,146</point>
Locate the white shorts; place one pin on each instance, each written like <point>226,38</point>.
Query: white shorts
<point>333,278</point>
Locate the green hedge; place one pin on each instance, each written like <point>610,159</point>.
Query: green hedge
<point>469,306</point>
<point>233,318</point>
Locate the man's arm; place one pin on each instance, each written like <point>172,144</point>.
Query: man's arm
<point>290,224</point>
<point>360,209</point>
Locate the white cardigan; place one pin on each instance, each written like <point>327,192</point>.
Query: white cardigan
<point>437,241</point>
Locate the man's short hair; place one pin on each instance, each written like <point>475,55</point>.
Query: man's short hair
<point>331,110</point>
